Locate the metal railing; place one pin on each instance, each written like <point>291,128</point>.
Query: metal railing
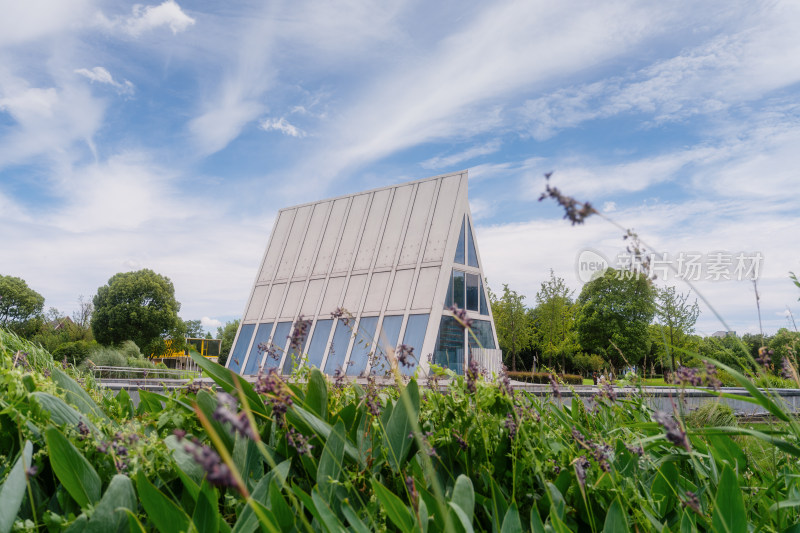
<point>122,373</point>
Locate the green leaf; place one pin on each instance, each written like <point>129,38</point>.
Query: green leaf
<point>511,522</point>
<point>325,513</point>
<point>76,395</point>
<point>754,391</point>
<point>150,401</point>
<point>616,521</point>
<point>423,515</point>
<point>109,515</point>
<point>464,496</point>
<point>206,512</point>
<point>279,506</point>
<point>317,394</point>
<point>536,520</point>
<point>208,404</point>
<point>353,519</point>
<point>400,425</point>
<point>248,521</point>
<point>463,519</point>
<point>729,512</point>
<point>308,421</point>
<point>330,463</point>
<point>72,469</point>
<point>61,413</point>
<point>228,380</point>
<point>395,509</point>
<point>13,490</point>
<point>687,526</point>
<point>165,514</point>
<point>184,460</point>
<point>124,400</point>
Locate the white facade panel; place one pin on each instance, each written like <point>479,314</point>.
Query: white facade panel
<point>394,227</point>
<point>311,299</point>
<point>256,302</point>
<point>352,229</point>
<point>274,301</point>
<point>369,240</point>
<point>417,223</point>
<point>296,238</point>
<point>332,299</point>
<point>330,237</point>
<point>292,301</point>
<point>355,288</point>
<point>313,234</point>
<point>401,287</point>
<point>279,233</point>
<point>377,289</point>
<point>440,227</point>
<point>426,288</point>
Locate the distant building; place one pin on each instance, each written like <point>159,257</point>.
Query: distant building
<point>395,258</point>
<point>723,334</point>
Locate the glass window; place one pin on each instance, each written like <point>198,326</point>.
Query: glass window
<point>316,348</point>
<point>288,363</point>
<point>458,289</point>
<point>362,346</point>
<point>414,337</point>
<point>472,255</point>
<point>279,339</point>
<point>473,283</point>
<point>484,309</point>
<point>449,350</point>
<point>460,248</point>
<point>448,300</point>
<point>236,357</point>
<point>254,361</point>
<point>483,330</point>
<point>388,336</point>
<point>338,351</point>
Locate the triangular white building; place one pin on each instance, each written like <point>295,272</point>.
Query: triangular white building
<point>395,258</point>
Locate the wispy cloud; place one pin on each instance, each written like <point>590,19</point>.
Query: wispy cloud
<point>146,18</point>
<point>467,155</point>
<point>101,75</point>
<point>282,125</point>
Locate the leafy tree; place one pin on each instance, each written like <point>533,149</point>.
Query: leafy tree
<point>82,317</point>
<point>194,329</point>
<point>615,310</point>
<point>554,317</point>
<point>138,306</point>
<point>514,327</point>
<point>228,334</point>
<point>20,306</point>
<point>785,343</point>
<point>677,316</point>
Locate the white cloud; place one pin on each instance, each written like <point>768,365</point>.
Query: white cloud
<point>210,323</point>
<point>282,125</point>
<point>147,18</point>
<point>34,19</point>
<point>101,75</point>
<point>468,154</point>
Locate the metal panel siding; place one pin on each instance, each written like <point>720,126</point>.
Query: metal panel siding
<point>369,240</point>
<point>401,287</point>
<point>416,225</point>
<point>292,301</point>
<point>344,256</point>
<point>328,245</point>
<point>426,288</point>
<point>377,288</point>
<point>256,302</point>
<point>332,297</point>
<point>440,227</point>
<point>355,288</point>
<point>295,240</point>
<point>281,229</point>
<point>394,227</point>
<point>273,302</point>
<point>311,299</point>
<point>313,234</point>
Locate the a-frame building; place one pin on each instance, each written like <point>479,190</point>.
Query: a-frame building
<point>395,258</point>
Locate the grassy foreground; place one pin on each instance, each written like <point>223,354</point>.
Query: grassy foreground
<point>311,455</point>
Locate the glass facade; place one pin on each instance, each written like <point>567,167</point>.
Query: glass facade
<point>341,338</point>
<point>484,308</point>
<point>472,255</point>
<point>459,296</point>
<point>473,285</point>
<point>236,357</point>
<point>388,337</point>
<point>293,357</point>
<point>449,351</point>
<point>460,247</point>
<point>362,346</point>
<point>414,337</point>
<point>319,339</point>
<point>483,331</point>
<point>279,339</point>
<point>254,361</point>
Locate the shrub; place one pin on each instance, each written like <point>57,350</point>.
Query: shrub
<point>544,377</point>
<point>712,414</point>
<point>75,352</point>
<point>130,350</point>
<point>105,356</point>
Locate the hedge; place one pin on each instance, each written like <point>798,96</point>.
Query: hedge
<point>544,377</point>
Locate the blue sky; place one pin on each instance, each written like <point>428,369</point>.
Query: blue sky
<point>167,135</point>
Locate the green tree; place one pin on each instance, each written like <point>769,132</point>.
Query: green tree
<point>554,317</point>
<point>194,329</point>
<point>514,328</point>
<point>227,333</point>
<point>138,306</point>
<point>677,316</point>
<point>615,310</point>
<point>20,306</point>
